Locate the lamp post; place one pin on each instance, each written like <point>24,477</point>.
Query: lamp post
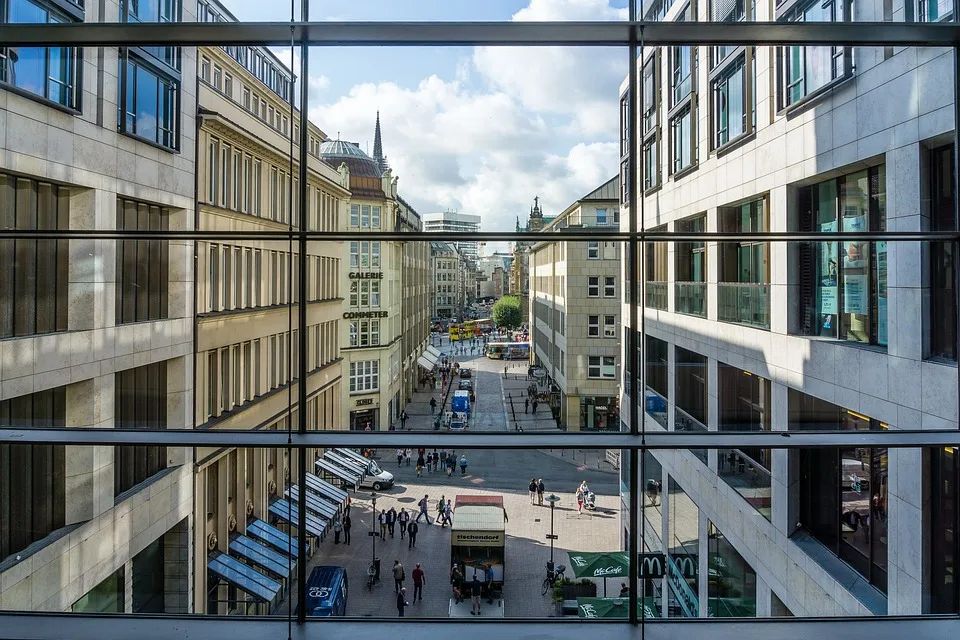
<point>373,536</point>
<point>553,499</point>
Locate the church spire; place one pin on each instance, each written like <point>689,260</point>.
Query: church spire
<point>378,156</point>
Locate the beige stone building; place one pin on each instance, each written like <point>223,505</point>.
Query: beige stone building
<point>575,313</point>
<point>97,333</point>
<point>415,307</point>
<point>247,348</point>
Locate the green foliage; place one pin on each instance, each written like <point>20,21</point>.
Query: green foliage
<point>507,312</point>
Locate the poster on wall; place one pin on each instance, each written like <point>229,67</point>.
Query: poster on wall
<point>855,294</point>
<point>828,276</point>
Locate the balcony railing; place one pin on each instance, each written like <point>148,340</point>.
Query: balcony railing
<point>683,421</point>
<point>748,477</point>
<point>741,303</point>
<point>657,295</point>
<point>690,298</point>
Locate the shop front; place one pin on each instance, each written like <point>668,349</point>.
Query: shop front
<point>364,416</point>
<point>599,413</point>
<point>478,538</point>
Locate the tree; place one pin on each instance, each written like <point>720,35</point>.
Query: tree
<point>507,312</point>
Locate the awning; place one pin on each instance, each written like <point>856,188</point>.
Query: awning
<point>260,555</point>
<point>334,470</point>
<point>346,462</point>
<point>433,353</point>
<point>350,454</point>
<point>326,490</point>
<point>314,503</point>
<point>610,564</point>
<point>269,534</point>
<point>425,363</point>
<point>241,576</point>
<point>289,512</point>
<point>614,608</point>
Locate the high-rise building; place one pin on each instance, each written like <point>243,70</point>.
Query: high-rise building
<point>97,333</point>
<point>852,335</point>
<point>457,222</point>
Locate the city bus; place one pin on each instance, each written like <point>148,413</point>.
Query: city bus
<point>508,350</point>
<point>477,327</point>
<point>454,332</point>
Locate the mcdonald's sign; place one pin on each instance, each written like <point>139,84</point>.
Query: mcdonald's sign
<point>651,565</point>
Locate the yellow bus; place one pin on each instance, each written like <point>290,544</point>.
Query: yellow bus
<point>455,332</point>
<point>477,327</point>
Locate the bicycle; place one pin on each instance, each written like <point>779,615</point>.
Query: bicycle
<point>553,576</point>
<point>371,576</point>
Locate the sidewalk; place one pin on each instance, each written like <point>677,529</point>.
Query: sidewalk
<point>583,459</point>
<point>514,384</point>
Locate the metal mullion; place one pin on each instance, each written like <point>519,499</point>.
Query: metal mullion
<point>602,34</point>
<point>893,438</point>
<point>634,93</point>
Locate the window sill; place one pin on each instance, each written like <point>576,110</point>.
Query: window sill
<point>815,98</point>
<point>652,190</point>
<point>683,173</point>
<point>942,360</point>
<point>29,95</point>
<point>269,307</point>
<point>734,144</point>
<point>876,348</point>
<point>155,145</point>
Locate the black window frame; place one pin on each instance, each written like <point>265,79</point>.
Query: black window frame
<point>140,402</point>
<point>143,266</point>
<point>65,12</point>
<point>839,73</point>
<point>942,305</point>
<point>166,74</point>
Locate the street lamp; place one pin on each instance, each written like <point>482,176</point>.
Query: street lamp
<point>373,536</point>
<point>553,499</point>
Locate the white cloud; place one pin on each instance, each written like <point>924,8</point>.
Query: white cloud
<point>509,125</point>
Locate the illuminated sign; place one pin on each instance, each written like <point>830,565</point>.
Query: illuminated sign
<point>364,314</point>
<point>368,275</point>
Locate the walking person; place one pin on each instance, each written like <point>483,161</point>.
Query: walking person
<point>419,579</point>
<point>398,575</point>
<point>440,509</point>
<point>448,513</point>
<point>456,580</point>
<point>433,403</point>
<point>580,498</point>
<point>346,506</point>
<point>403,419</point>
<point>401,602</point>
<point>347,523</point>
<point>451,463</point>
<point>406,456</point>
<point>535,405</point>
<point>463,465</point>
<point>412,530</point>
<point>392,520</point>
<point>475,589</point>
<point>404,520</point>
<point>420,463</point>
<point>526,405</point>
<point>337,529</point>
<point>383,524</point>
<point>540,489</point>
<point>533,489</point>
<point>399,457</point>
<point>423,509</point>
<point>436,460</point>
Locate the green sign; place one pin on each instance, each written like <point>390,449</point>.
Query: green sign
<point>614,607</point>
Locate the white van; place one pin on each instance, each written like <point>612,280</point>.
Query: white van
<point>373,477</point>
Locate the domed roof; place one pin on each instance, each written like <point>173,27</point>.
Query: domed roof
<point>350,152</point>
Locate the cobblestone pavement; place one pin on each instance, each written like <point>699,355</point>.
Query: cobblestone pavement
<point>527,552</point>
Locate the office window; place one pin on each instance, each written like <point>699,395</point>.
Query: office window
<point>743,290</point>
<point>140,403</point>
<point>593,326</point>
<point>609,286</point>
<point>142,265</point>
<point>33,477</point>
<point>691,384</point>
<point>34,274</point>
<point>843,492</point>
<point>364,333</point>
<point>843,286</point>
<point>681,73</point>
<point>228,85</point>
<point>935,10</point>
<point>205,69</point>
<point>246,98</point>
<point>593,287</point>
<point>364,376</point>
<point>690,288</point>
<point>651,91</point>
<point>51,73</point>
<point>732,587</point>
<point>730,103</point>
<point>609,326</point>
<point>593,250</point>
<point>651,163</point>
<point>943,295</point>
<point>944,525</point>
<point>354,215</point>
<point>806,70</point>
<point>151,101</point>
<point>601,217</point>
<point>601,367</point>
<point>682,141</point>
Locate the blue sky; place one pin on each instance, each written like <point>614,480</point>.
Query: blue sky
<point>477,130</point>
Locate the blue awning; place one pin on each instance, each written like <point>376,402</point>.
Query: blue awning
<point>241,576</point>
<point>260,555</point>
<point>321,507</point>
<point>347,463</point>
<point>347,476</point>
<point>337,495</point>
<point>269,534</point>
<point>289,512</point>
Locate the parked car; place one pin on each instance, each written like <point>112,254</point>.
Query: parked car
<point>465,373</point>
<point>466,385</point>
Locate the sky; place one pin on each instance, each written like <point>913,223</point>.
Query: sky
<point>479,130</point>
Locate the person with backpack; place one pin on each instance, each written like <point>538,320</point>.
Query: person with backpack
<point>533,489</point>
<point>440,509</point>
<point>337,529</point>
<point>423,509</point>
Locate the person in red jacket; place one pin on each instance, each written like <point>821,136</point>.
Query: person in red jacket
<point>419,579</point>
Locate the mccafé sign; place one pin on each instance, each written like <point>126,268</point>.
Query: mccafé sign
<point>365,275</point>
<point>349,315</point>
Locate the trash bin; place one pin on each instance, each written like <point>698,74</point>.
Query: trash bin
<point>376,568</point>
